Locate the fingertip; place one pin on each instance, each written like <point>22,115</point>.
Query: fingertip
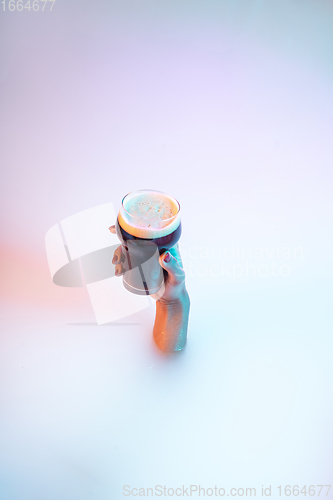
<point>163,257</point>
<point>167,257</point>
<point>119,271</point>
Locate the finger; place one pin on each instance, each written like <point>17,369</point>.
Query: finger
<point>118,256</point>
<point>119,271</point>
<point>171,265</point>
<point>112,229</point>
<point>176,253</point>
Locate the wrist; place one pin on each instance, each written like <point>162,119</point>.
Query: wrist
<point>180,301</point>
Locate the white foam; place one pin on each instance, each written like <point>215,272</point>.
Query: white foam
<point>149,214</point>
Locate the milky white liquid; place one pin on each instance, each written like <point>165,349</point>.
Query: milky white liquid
<point>149,214</point>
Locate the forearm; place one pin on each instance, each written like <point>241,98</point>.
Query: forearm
<point>171,322</point>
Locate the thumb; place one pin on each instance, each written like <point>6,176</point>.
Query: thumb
<point>170,264</point>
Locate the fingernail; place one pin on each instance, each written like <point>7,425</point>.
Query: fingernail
<point>117,273</point>
<point>115,258</point>
<point>167,257</point>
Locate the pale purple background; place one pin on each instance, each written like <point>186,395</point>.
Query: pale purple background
<point>227,106</point>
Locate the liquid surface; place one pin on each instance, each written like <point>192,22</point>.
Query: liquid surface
<point>149,214</point>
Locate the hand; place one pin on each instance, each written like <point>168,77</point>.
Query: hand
<point>118,256</point>
<point>172,301</point>
<point>174,282</point>
<point>171,261</point>
<point>173,307</point>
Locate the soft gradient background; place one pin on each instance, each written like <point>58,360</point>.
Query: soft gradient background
<point>227,105</point>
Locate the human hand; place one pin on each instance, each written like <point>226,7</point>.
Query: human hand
<point>170,261</point>
<point>174,278</point>
<point>118,256</point>
<point>172,301</point>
